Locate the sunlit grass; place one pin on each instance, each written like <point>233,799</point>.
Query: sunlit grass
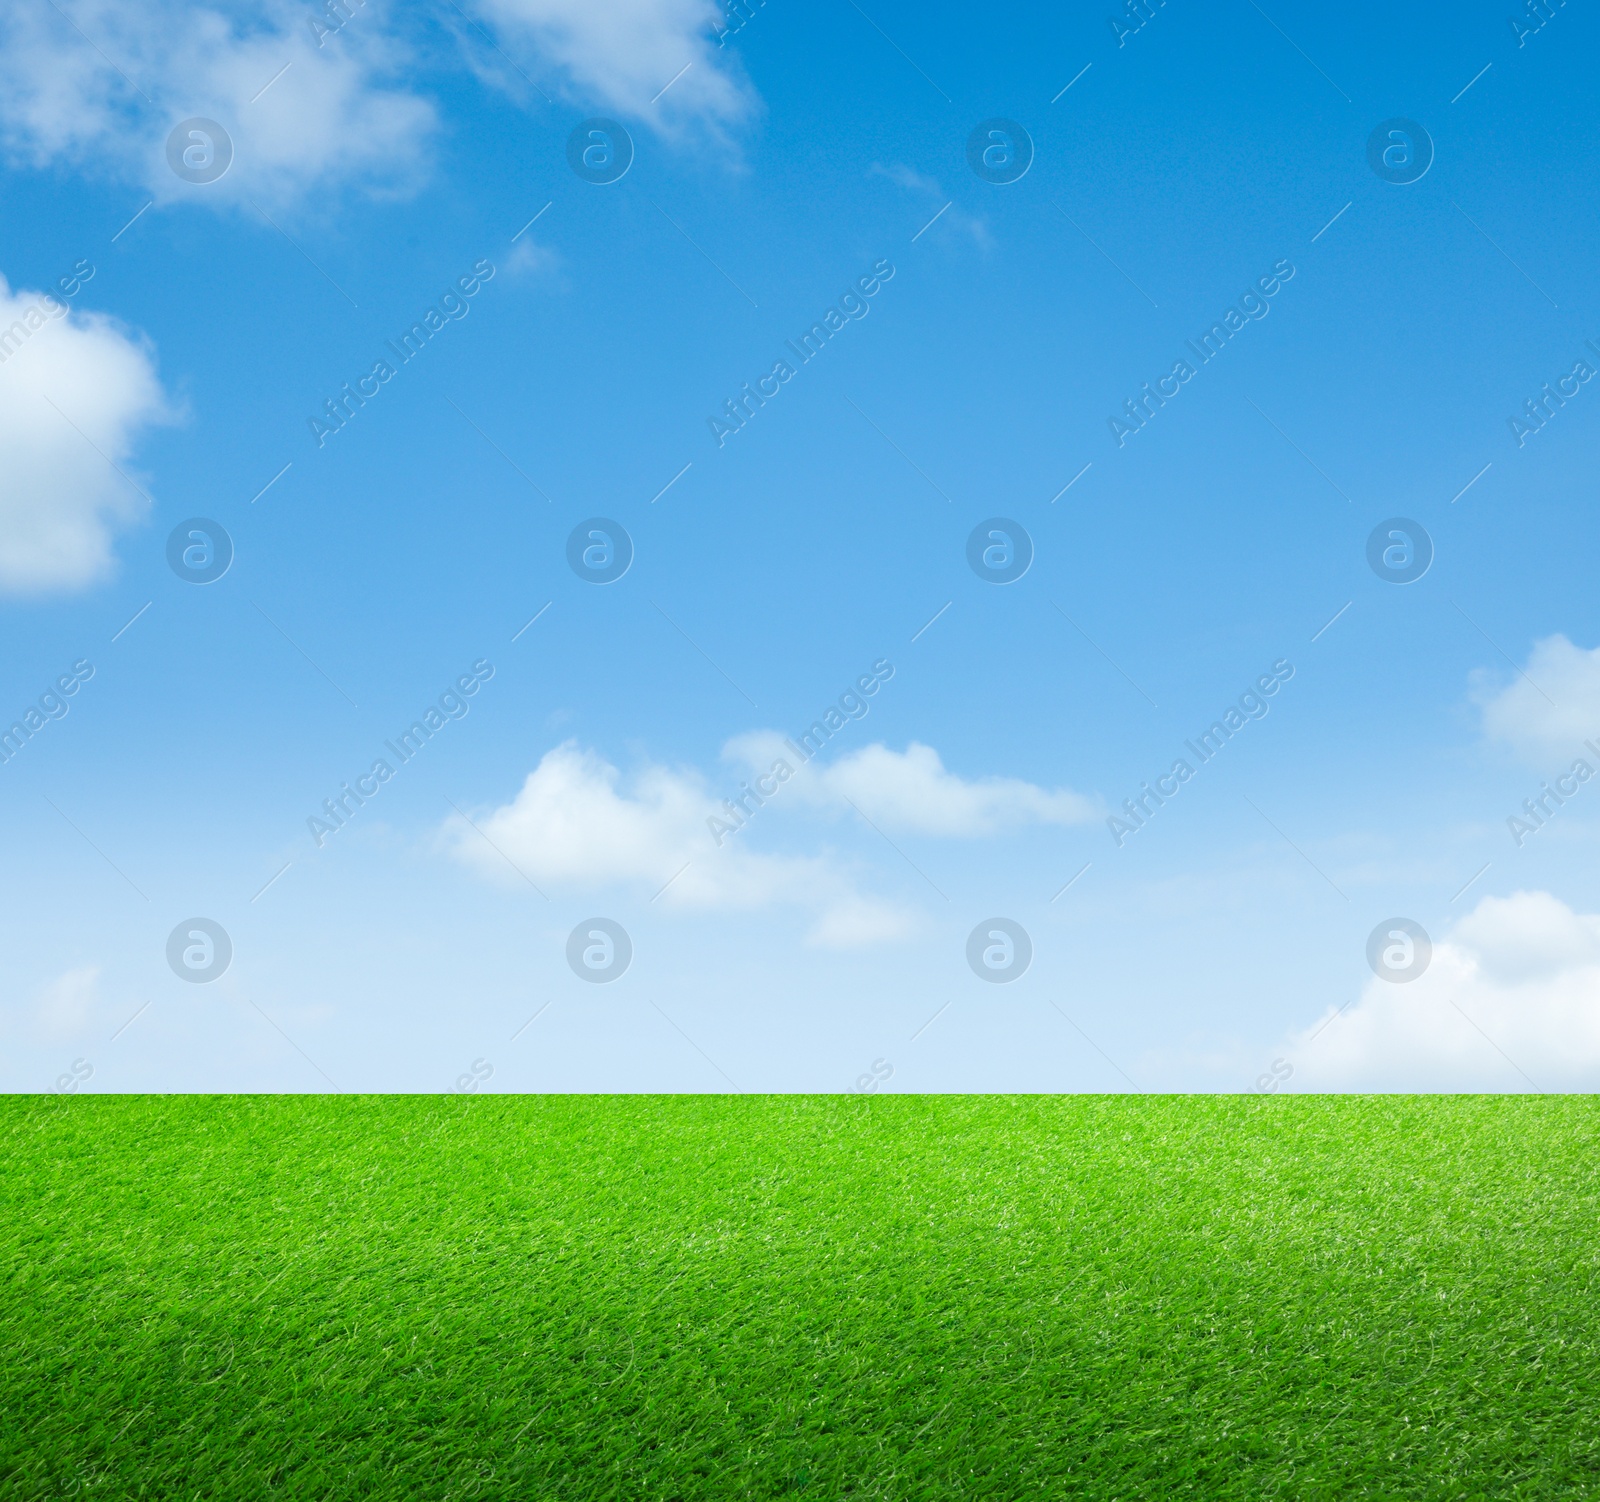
<point>876,1297</point>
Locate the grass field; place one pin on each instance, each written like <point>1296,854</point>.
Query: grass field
<point>915,1297</point>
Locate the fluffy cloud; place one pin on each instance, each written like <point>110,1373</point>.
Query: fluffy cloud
<point>625,52</point>
<point>570,826</point>
<point>1546,713</point>
<point>100,83</point>
<point>1512,995</point>
<point>911,791</point>
<point>62,496</point>
<point>573,828</point>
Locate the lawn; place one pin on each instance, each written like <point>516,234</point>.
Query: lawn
<point>807,1297</point>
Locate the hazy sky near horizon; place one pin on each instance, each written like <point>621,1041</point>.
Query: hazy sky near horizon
<point>1154,448</point>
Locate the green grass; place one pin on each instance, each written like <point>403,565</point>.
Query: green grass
<point>811,1298</point>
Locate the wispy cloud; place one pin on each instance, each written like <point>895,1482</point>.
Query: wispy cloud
<point>650,60</point>
<point>911,790</point>
<point>953,219</point>
<point>99,84</point>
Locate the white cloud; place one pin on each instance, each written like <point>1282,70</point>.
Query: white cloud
<point>625,52</point>
<point>101,83</point>
<point>910,790</point>
<point>570,826</point>
<point>1518,979</point>
<point>573,828</point>
<point>1546,713</point>
<point>60,500</point>
<point>63,1008</point>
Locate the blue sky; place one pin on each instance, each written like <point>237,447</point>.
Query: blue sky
<point>1221,945</point>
